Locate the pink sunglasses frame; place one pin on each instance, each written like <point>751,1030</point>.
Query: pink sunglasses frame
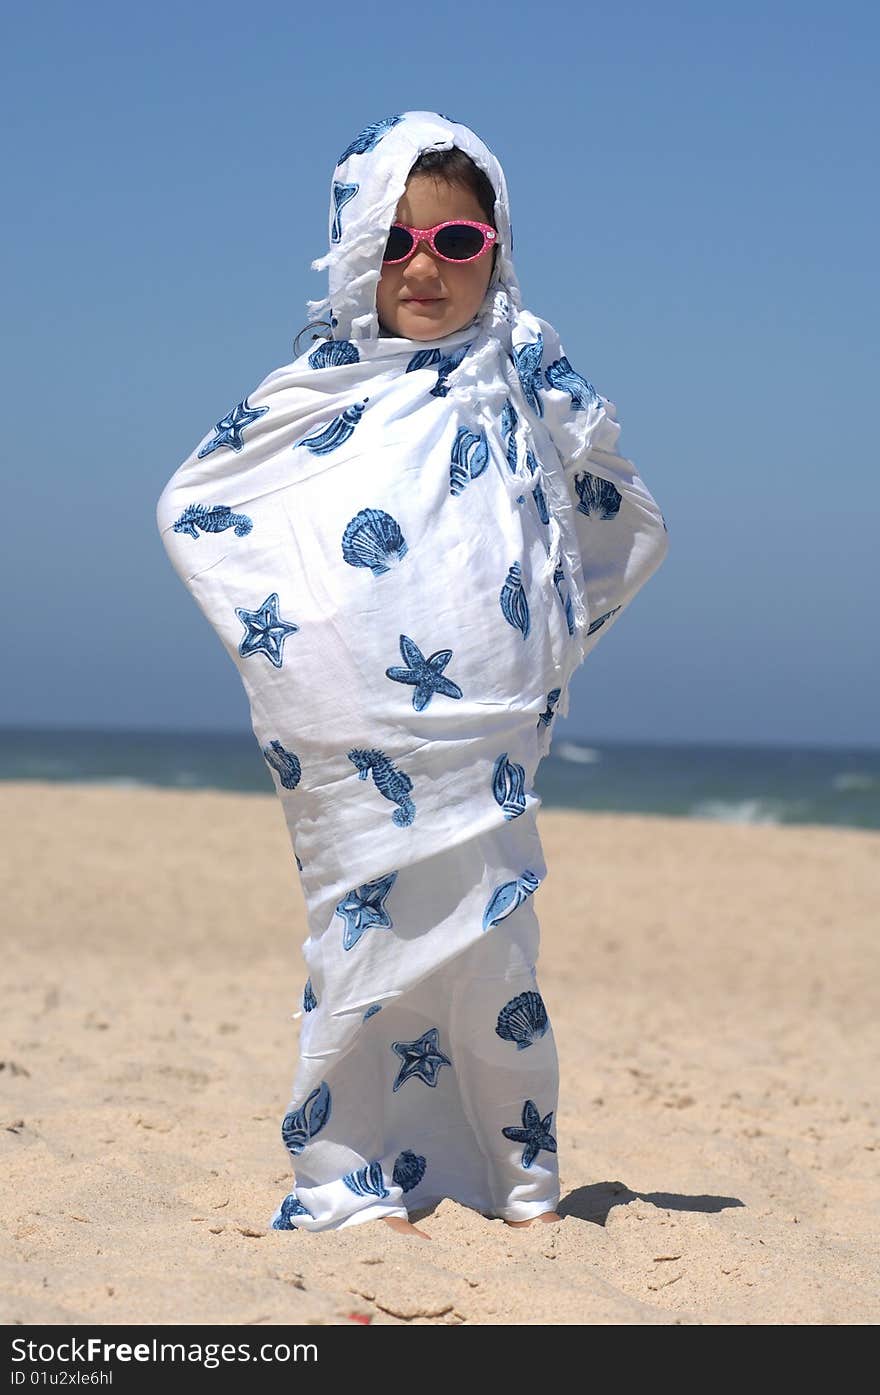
<point>427,235</point>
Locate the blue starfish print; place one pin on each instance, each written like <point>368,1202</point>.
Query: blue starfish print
<point>364,909</point>
<point>265,631</point>
<point>228,431</point>
<point>535,1133</point>
<point>421,1058</point>
<point>425,674</point>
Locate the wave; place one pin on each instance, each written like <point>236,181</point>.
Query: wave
<point>581,755</point>
<point>760,811</point>
<point>854,780</point>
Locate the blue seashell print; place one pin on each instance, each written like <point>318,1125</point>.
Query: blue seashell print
<point>334,352</point>
<point>596,624</point>
<point>409,1169</point>
<point>514,604</point>
<point>373,539</point>
<point>285,763</point>
<point>367,1181</point>
<point>548,714</point>
<point>342,193</point>
<point>597,495</point>
<point>508,786</point>
<point>560,374</point>
<point>523,1020</point>
<point>426,675</point>
<point>368,138</point>
<point>444,363</point>
<point>212,518</point>
<point>336,432</point>
<point>507,897</point>
<point>302,1124</point>
<point>422,1059</point>
<point>527,359</point>
<point>534,1133</point>
<point>470,456</point>
<point>423,359</point>
<point>310,1002</point>
<point>537,492</point>
<point>265,631</point>
<point>394,784</point>
<point>565,598</point>
<point>509,420</point>
<point>290,1206</point>
<point>298,862</point>
<point>363,908</point>
<point>228,430</point>
<point>372,1010</point>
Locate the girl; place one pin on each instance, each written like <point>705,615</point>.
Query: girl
<point>407,539</point>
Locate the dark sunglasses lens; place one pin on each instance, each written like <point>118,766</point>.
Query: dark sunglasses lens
<point>398,244</point>
<point>459,241</point>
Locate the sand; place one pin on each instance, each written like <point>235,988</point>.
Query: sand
<point>714,993</point>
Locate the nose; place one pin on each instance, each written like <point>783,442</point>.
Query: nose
<point>422,265</point>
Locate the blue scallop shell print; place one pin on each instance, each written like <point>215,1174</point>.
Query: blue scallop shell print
<point>285,763</point>
<point>367,1181</point>
<point>600,620</point>
<point>228,430</point>
<point>425,675</point>
<point>336,432</point>
<point>534,1133</point>
<point>560,374</point>
<point>422,1059</point>
<point>509,420</point>
<point>342,194</point>
<point>265,631</point>
<point>212,518</point>
<point>394,784</point>
<point>597,495</point>
<point>373,539</point>
<point>528,365</point>
<point>363,908</point>
<point>508,786</point>
<point>507,897</point>
<point>301,1124</point>
<point>523,1020</point>
<point>565,598</point>
<point>310,1002</point>
<point>332,353</point>
<point>444,363</point>
<point>548,714</point>
<point>514,605</point>
<point>368,138</point>
<point>409,1169</point>
<point>290,1206</point>
<point>470,456</point>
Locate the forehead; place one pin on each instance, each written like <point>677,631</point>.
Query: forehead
<point>427,200</point>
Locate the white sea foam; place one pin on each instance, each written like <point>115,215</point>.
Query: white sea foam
<point>854,780</point>
<point>738,810</point>
<point>582,755</point>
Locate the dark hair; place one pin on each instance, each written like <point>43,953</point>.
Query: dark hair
<point>455,167</point>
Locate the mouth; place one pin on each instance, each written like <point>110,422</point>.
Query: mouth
<point>422,299</point>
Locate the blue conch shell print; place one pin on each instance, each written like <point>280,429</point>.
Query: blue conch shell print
<point>302,1124</point>
<point>310,1002</point>
<point>290,1206</point>
<point>422,1059</point>
<point>228,430</point>
<point>426,675</point>
<point>212,518</point>
<point>285,763</point>
<point>548,714</point>
<point>265,631</point>
<point>565,598</point>
<point>373,539</point>
<point>470,456</point>
<point>394,784</point>
<point>597,495</point>
<point>334,352</point>
<point>514,604</point>
<point>509,421</point>
<point>523,1020</point>
<point>507,897</point>
<point>535,1133</point>
<point>368,138</point>
<point>508,786</point>
<point>367,1181</point>
<point>409,1169</point>
<point>444,363</point>
<point>561,375</point>
<point>337,432</point>
<point>600,620</point>
<point>537,492</point>
<point>528,365</point>
<point>342,193</point>
<point>363,908</point>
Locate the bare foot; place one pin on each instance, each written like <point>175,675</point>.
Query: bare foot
<point>544,1216</point>
<point>405,1227</point>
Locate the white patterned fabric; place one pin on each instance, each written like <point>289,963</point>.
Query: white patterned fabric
<point>407,548</point>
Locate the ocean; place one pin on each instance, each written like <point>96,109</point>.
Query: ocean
<point>731,783</point>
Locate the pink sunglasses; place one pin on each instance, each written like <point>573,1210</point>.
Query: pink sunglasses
<point>458,240</point>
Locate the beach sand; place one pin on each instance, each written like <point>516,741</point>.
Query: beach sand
<point>713,989</point>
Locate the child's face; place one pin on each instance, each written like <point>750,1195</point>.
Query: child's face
<point>425,297</point>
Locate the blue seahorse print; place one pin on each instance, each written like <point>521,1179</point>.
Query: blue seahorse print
<point>507,897</point>
<point>301,1124</point>
<point>363,908</point>
<point>508,786</point>
<point>265,631</point>
<point>285,763</point>
<point>597,495</point>
<point>470,456</point>
<point>560,374</point>
<point>342,193</point>
<point>336,432</point>
<point>394,784</point>
<point>528,365</point>
<point>367,1181</point>
<point>514,604</point>
<point>368,138</point>
<point>310,1002</point>
<point>565,598</point>
<point>228,430</point>
<point>212,518</point>
<point>548,714</point>
<point>332,353</point>
<point>509,421</point>
<point>290,1206</point>
<point>596,624</point>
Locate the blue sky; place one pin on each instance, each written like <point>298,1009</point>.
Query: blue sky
<point>695,204</point>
